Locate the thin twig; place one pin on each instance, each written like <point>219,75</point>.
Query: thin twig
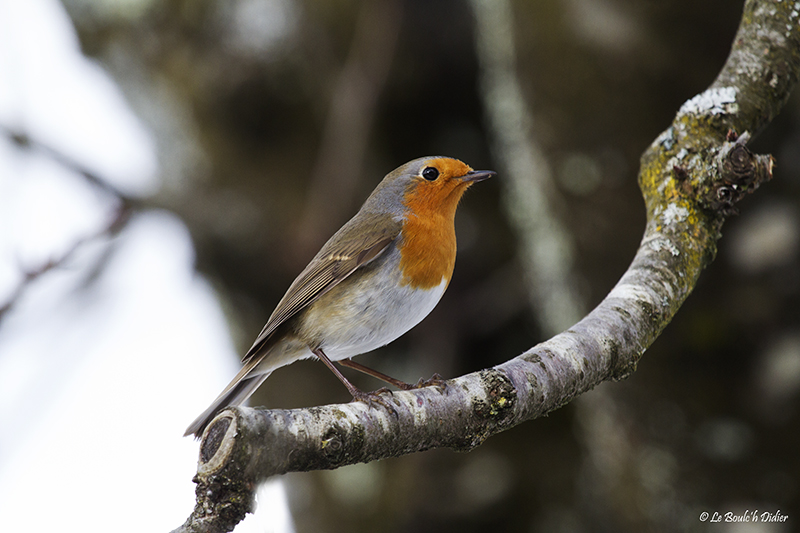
<point>118,221</point>
<point>125,206</point>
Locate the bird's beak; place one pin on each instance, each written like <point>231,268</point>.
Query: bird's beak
<point>478,175</point>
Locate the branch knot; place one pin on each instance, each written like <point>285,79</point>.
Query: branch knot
<point>738,173</point>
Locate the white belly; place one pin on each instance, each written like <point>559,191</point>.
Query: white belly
<point>383,310</point>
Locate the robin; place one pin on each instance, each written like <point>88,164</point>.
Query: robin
<point>374,280</point>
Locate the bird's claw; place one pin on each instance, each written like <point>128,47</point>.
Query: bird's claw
<point>375,396</point>
<point>435,380</point>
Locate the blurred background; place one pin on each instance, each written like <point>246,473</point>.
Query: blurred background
<point>168,167</point>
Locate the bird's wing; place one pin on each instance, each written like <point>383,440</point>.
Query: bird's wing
<point>342,255</point>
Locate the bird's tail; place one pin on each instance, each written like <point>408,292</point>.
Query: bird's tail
<point>238,390</point>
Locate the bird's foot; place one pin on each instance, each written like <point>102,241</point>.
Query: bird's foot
<point>436,381</point>
<point>374,396</point>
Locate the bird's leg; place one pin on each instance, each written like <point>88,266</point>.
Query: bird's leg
<point>355,392</point>
<point>435,380</point>
<point>375,374</point>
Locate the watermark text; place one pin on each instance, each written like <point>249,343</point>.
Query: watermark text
<point>747,516</point>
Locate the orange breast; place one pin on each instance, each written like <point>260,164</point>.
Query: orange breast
<point>428,246</point>
<point>428,252</point>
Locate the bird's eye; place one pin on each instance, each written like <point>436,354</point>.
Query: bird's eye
<point>430,173</point>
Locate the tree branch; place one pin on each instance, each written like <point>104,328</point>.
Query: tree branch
<point>691,178</point>
<point>30,275</point>
<point>125,207</point>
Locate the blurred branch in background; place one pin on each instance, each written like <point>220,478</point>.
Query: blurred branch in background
<point>25,141</point>
<point>346,133</point>
<point>532,202</point>
<point>124,206</point>
<point>30,275</point>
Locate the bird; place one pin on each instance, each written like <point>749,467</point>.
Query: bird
<point>372,281</point>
